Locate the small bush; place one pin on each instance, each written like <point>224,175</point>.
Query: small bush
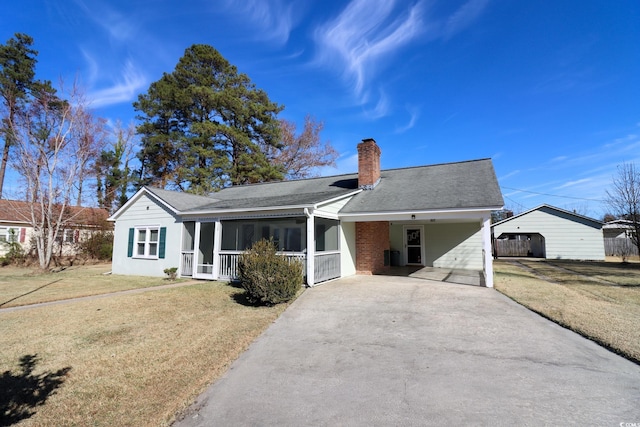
<point>15,255</point>
<point>267,277</point>
<point>171,273</point>
<point>98,246</point>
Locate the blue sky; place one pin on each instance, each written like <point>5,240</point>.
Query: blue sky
<point>550,90</point>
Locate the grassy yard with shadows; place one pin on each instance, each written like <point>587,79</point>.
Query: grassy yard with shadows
<point>135,359</point>
<point>24,286</point>
<point>598,300</point>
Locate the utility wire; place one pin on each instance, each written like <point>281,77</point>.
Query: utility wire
<point>554,195</point>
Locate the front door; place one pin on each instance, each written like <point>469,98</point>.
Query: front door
<point>413,243</point>
<point>204,251</point>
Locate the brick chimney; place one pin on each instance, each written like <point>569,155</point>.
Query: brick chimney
<point>368,164</point>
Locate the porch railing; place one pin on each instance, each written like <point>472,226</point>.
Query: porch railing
<point>326,266</point>
<point>187,263</point>
<point>229,263</point>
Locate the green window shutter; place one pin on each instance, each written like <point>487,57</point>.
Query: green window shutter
<point>163,242</point>
<point>130,248</point>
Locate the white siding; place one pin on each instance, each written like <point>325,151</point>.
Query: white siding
<point>332,209</point>
<point>146,212</point>
<point>455,245</point>
<point>447,245</point>
<point>347,249</point>
<point>396,239</point>
<point>566,236</point>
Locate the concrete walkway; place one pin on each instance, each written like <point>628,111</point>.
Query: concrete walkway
<point>401,351</point>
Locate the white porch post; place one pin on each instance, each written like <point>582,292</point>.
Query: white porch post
<point>311,247</point>
<point>486,251</point>
<point>217,242</point>
<point>196,250</point>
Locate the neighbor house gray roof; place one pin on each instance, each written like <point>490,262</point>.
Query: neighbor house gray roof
<point>461,185</point>
<point>471,184</point>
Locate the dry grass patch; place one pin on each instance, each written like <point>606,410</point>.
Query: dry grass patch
<point>607,313</point>
<point>23,286</point>
<point>132,360</point>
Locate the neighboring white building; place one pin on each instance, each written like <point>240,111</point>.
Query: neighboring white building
<point>15,226</point>
<point>618,228</point>
<point>552,233</point>
<point>361,223</point>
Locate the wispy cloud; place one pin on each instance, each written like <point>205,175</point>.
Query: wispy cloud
<point>119,26</point>
<point>275,19</point>
<point>124,89</point>
<point>509,175</point>
<point>572,183</point>
<point>414,114</point>
<point>381,108</point>
<point>463,17</point>
<point>364,33</point>
<point>364,37</point>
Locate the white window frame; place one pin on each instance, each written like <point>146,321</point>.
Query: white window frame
<point>147,243</point>
<point>68,235</point>
<point>6,235</point>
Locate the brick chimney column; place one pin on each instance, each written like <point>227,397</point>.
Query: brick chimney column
<point>368,164</point>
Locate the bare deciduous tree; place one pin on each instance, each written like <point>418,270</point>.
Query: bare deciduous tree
<point>91,135</point>
<point>301,155</point>
<point>51,148</point>
<point>624,197</point>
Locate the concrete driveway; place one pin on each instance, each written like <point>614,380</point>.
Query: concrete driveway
<point>398,351</point>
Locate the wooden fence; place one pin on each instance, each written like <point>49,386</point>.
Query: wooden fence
<point>614,246</point>
<point>512,247</point>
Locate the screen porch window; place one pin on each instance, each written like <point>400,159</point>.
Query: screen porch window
<point>288,234</point>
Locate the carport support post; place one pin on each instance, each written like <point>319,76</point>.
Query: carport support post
<point>486,252</point>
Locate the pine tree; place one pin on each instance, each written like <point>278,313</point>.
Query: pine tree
<point>205,126</point>
<point>17,71</point>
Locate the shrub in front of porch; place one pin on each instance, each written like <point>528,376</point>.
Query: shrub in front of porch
<point>267,277</point>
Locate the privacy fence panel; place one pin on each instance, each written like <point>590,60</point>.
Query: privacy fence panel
<point>614,246</point>
<point>512,247</point>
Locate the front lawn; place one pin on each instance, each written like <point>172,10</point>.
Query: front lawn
<point>131,360</point>
<point>23,286</point>
<point>596,299</point>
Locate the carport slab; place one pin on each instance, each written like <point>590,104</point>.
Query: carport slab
<point>383,350</point>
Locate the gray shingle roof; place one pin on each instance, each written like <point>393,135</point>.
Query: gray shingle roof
<point>265,195</point>
<point>470,184</point>
<point>180,201</point>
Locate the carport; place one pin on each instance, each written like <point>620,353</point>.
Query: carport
<point>449,275</point>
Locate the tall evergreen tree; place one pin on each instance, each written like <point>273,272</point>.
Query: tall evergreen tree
<point>17,71</point>
<point>205,126</point>
<point>113,170</point>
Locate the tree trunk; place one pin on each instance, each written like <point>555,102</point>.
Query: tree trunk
<point>3,166</point>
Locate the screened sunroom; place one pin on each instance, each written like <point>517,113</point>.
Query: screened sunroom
<point>211,247</point>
